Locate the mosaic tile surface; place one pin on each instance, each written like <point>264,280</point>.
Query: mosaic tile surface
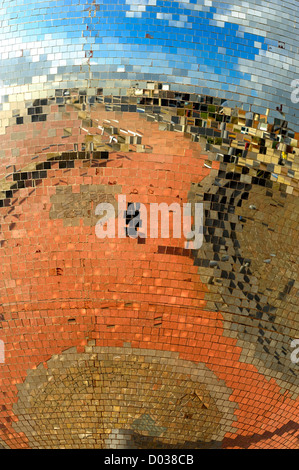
<point>245,53</point>
<point>144,343</point>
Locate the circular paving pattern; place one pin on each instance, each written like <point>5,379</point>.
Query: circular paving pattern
<point>94,398</point>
